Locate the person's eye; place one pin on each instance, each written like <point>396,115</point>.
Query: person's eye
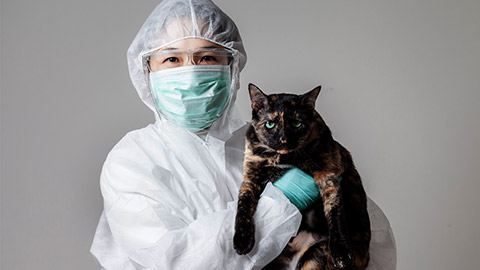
<point>269,125</point>
<point>171,60</point>
<point>297,124</point>
<point>208,59</point>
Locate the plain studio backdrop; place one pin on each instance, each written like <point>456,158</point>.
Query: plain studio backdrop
<point>401,90</point>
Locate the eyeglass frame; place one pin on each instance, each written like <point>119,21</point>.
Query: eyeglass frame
<point>190,53</point>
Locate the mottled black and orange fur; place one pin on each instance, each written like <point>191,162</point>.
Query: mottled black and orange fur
<point>335,230</point>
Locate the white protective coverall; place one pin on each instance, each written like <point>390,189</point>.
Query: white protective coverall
<point>170,195</point>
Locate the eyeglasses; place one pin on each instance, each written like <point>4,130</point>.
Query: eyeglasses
<point>175,58</point>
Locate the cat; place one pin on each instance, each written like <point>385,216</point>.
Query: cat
<point>286,130</point>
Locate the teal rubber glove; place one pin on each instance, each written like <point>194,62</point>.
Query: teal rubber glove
<point>299,187</point>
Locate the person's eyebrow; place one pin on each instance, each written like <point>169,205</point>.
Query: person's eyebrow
<point>169,49</point>
<point>210,47</point>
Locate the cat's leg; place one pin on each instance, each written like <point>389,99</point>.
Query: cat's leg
<point>334,212</point>
<point>318,257</point>
<point>294,250</point>
<point>358,221</point>
<point>244,238</point>
<point>361,257</point>
<point>315,258</point>
<point>256,176</point>
<point>282,262</point>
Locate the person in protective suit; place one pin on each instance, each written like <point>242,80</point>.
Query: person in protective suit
<point>170,188</point>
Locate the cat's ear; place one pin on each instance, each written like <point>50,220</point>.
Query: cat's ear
<point>311,97</point>
<point>258,98</point>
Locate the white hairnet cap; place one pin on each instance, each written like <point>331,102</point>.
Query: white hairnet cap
<point>174,20</point>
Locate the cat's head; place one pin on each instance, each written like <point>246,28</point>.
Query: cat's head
<point>284,122</point>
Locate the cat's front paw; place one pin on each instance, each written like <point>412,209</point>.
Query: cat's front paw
<point>341,256</point>
<point>244,238</point>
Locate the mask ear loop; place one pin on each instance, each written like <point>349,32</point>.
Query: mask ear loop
<point>147,71</point>
<point>160,115</point>
<point>227,102</point>
<point>233,65</point>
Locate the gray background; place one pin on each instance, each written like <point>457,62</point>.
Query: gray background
<point>401,84</point>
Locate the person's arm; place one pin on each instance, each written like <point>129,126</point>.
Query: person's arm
<point>156,230</point>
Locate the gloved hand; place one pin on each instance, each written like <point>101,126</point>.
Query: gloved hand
<point>299,187</point>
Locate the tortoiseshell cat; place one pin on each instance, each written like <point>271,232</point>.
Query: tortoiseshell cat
<point>335,230</point>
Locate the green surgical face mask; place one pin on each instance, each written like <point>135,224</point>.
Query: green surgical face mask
<point>193,96</point>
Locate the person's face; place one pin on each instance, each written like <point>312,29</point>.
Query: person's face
<point>192,51</point>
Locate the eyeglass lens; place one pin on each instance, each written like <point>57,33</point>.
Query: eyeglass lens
<point>170,59</point>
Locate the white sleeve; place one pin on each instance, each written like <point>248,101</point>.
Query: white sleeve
<point>383,251</point>
<point>155,230</point>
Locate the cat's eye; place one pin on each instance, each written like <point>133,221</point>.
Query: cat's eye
<point>297,124</point>
<point>269,124</point>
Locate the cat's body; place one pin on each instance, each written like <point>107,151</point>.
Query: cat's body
<point>335,230</point>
